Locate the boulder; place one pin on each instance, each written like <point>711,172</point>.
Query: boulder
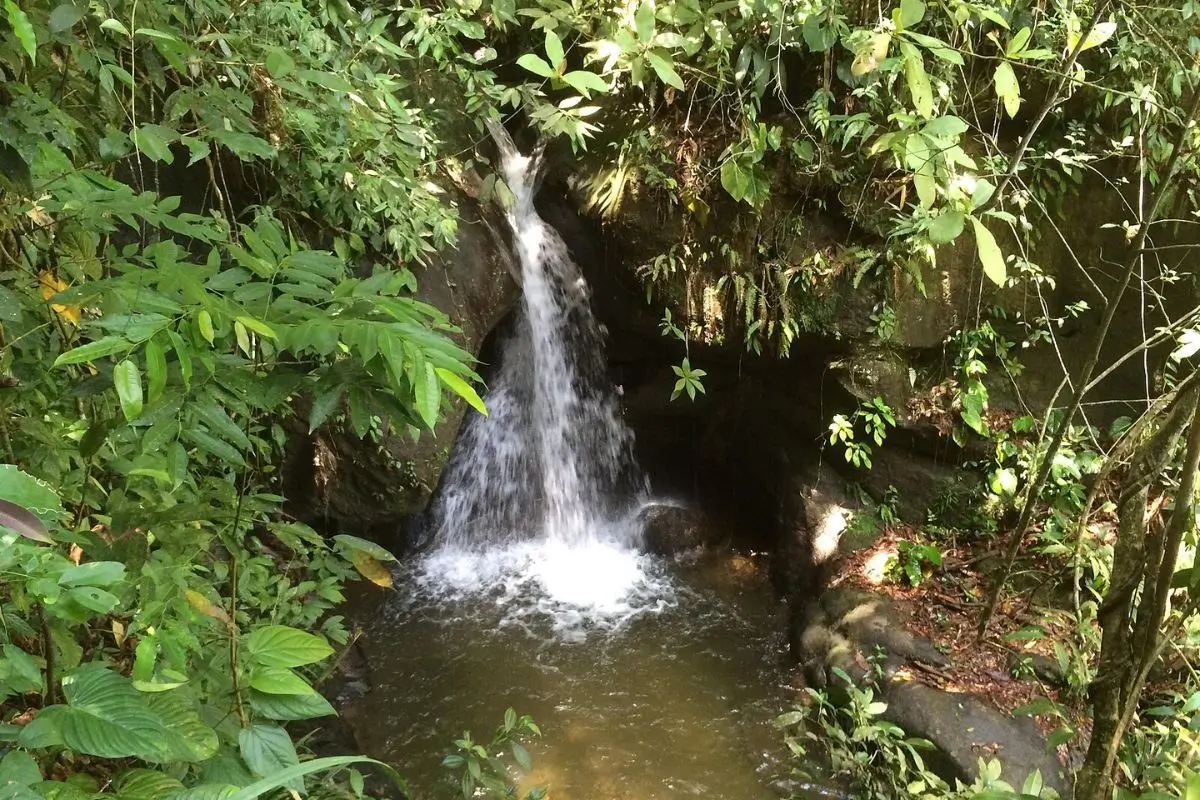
<point>668,529</point>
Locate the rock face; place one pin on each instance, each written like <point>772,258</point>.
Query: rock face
<point>348,484</point>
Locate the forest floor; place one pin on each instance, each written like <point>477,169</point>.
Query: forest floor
<point>1015,666</point>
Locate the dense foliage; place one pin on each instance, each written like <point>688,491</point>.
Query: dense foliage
<point>213,219</point>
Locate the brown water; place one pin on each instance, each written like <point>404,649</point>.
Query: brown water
<point>672,700</point>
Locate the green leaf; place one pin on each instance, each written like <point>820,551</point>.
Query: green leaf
<point>287,777</point>
<point>93,351</point>
<point>279,63</point>
<point>22,28</point>
<point>1100,34</point>
<point>323,404</point>
<point>554,51</point>
<point>427,394</point>
<point>1004,482</point>
<point>734,179</point>
<point>287,707</point>
<point>188,738</point>
<point>585,82</point>
<point>24,673</point>
<point>281,646</point>
<point>918,80</point>
<point>204,322</point>
<point>1007,88</point>
<point>269,752</point>
<point>329,80</point>
<point>946,227</point>
<point>152,141</point>
<point>665,70</point>
<point>948,126</point>
<point>18,768</point>
<point>93,573</point>
<point>461,388</point>
<point>64,17</point>
<point>275,680</point>
<point>989,254</point>
<point>128,381</point>
<point>146,784</point>
<point>258,326</point>
<point>535,65</point>
<point>1018,42</point>
<point>911,12</point>
<point>30,493</point>
<point>105,716</point>
<point>355,544</point>
<point>243,145</point>
<point>156,370</point>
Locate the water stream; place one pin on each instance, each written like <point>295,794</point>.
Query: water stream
<point>650,679</point>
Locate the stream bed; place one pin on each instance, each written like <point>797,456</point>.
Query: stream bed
<point>664,689</point>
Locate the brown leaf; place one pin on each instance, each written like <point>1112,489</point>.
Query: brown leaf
<point>207,607</point>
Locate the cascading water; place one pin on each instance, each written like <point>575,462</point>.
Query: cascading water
<point>540,496</point>
<point>652,679</point>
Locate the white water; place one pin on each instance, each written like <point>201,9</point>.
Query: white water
<point>539,500</point>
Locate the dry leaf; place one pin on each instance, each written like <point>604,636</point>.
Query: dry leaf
<point>50,286</point>
<point>118,629</point>
<point>371,569</point>
<point>207,607</point>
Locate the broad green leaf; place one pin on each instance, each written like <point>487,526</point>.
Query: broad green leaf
<point>64,17</point>
<point>93,573</point>
<point>93,351</point>
<point>1004,482</point>
<point>287,707</point>
<point>535,65</point>
<point>1007,88</point>
<point>128,381</point>
<point>258,326</point>
<point>24,672</point>
<point>1017,44</point>
<point>276,680</point>
<point>948,126</point>
<point>329,80</point>
<point>205,323</point>
<point>22,28</point>
<point>145,784</point>
<point>946,227</point>
<point>105,716</point>
<point>243,145</point>
<point>918,80</point>
<point>1100,34</point>
<point>156,370</point>
<point>154,142</point>
<point>188,738</point>
<point>734,179</point>
<point>95,600</point>
<point>643,21</point>
<point>461,388</point>
<point>554,52</point>
<point>281,646</point>
<point>355,544</point>
<point>30,493</point>
<point>665,70</point>
<point>427,394</point>
<point>585,82</point>
<point>18,768</point>
<point>911,12</point>
<point>279,63</point>
<point>269,752</point>
<point>989,253</point>
<point>323,404</point>
<point>1192,790</point>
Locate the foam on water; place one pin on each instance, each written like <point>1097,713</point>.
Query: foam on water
<point>538,500</point>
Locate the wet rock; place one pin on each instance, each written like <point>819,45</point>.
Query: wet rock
<point>671,529</point>
<point>965,728</point>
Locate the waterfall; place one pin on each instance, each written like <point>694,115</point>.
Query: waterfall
<point>539,498</point>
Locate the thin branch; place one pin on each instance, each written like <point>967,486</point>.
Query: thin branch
<point>1033,491</point>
